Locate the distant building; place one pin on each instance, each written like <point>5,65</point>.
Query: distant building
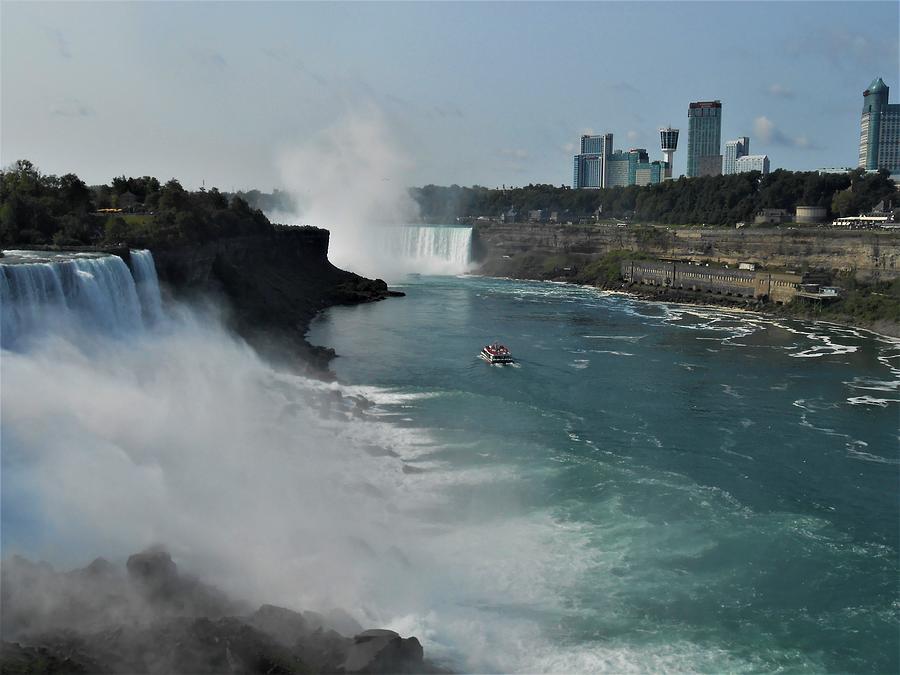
<point>668,142</point>
<point>597,166</point>
<point>621,167</point>
<point>752,163</point>
<point>634,168</point>
<point>771,217</point>
<point>538,216</point>
<point>590,166</point>
<point>704,138</point>
<point>652,173</point>
<point>733,151</point>
<point>879,136</point>
<point>810,214</point>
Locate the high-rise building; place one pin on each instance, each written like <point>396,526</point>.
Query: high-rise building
<point>752,163</point>
<point>668,141</point>
<point>623,166</point>
<point>651,173</point>
<point>596,144</point>
<point>879,137</point>
<point>590,167</point>
<point>704,138</point>
<point>734,150</point>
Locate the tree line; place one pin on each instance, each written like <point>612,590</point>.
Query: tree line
<point>38,208</point>
<point>713,200</point>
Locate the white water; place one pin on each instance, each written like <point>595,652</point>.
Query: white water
<point>40,292</point>
<point>427,249</point>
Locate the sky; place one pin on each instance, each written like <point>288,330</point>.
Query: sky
<point>233,94</point>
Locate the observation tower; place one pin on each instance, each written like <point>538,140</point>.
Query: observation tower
<point>668,141</point>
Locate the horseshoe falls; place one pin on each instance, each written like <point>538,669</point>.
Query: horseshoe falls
<point>429,249</point>
<point>392,251</point>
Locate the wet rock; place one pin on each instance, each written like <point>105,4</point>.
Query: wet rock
<point>409,469</point>
<point>154,571</point>
<point>285,626</point>
<point>384,651</point>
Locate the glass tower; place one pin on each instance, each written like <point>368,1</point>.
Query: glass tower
<point>704,138</point>
<point>590,168</point>
<point>879,136</point>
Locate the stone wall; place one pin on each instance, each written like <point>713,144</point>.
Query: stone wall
<point>778,287</point>
<point>869,254</point>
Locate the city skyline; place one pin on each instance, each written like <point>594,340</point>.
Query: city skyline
<point>453,93</point>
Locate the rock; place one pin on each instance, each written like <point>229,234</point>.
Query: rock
<point>409,468</point>
<point>378,451</point>
<point>282,624</point>
<point>62,659</point>
<point>154,571</point>
<point>384,651</point>
<point>339,621</point>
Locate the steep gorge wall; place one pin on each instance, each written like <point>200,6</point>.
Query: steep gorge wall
<point>870,254</point>
<point>271,286</point>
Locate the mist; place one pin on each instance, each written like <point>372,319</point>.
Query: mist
<point>271,486</point>
<point>352,179</point>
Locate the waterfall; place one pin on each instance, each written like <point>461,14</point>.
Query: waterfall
<point>430,249</point>
<point>143,269</point>
<point>44,292</point>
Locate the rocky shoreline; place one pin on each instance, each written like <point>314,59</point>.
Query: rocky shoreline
<point>149,618</point>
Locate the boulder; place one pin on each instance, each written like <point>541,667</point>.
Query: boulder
<point>154,571</point>
<point>384,651</point>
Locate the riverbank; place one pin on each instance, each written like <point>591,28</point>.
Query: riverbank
<point>872,304</point>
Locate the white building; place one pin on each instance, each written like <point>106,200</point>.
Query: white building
<point>752,163</point>
<point>733,151</point>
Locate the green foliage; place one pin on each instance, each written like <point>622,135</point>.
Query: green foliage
<point>713,200</point>
<point>115,230</point>
<point>606,271</point>
<point>39,209</point>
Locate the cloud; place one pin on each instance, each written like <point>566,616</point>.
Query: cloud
<point>569,148</point>
<point>780,91</point>
<point>632,135</point>
<point>765,130</point>
<point>71,108</point>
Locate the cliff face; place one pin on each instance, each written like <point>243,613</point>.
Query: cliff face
<point>273,286</point>
<point>870,254</point>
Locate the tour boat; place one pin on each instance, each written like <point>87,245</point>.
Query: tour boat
<point>496,353</point>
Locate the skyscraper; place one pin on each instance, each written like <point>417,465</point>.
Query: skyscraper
<point>590,167</point>
<point>704,138</point>
<point>879,137</point>
<point>734,150</point>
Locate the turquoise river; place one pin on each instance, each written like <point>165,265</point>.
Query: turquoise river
<point>651,488</point>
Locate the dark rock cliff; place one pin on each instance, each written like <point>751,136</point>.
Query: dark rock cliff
<point>272,287</point>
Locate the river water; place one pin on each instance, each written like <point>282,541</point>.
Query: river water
<point>653,487</point>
